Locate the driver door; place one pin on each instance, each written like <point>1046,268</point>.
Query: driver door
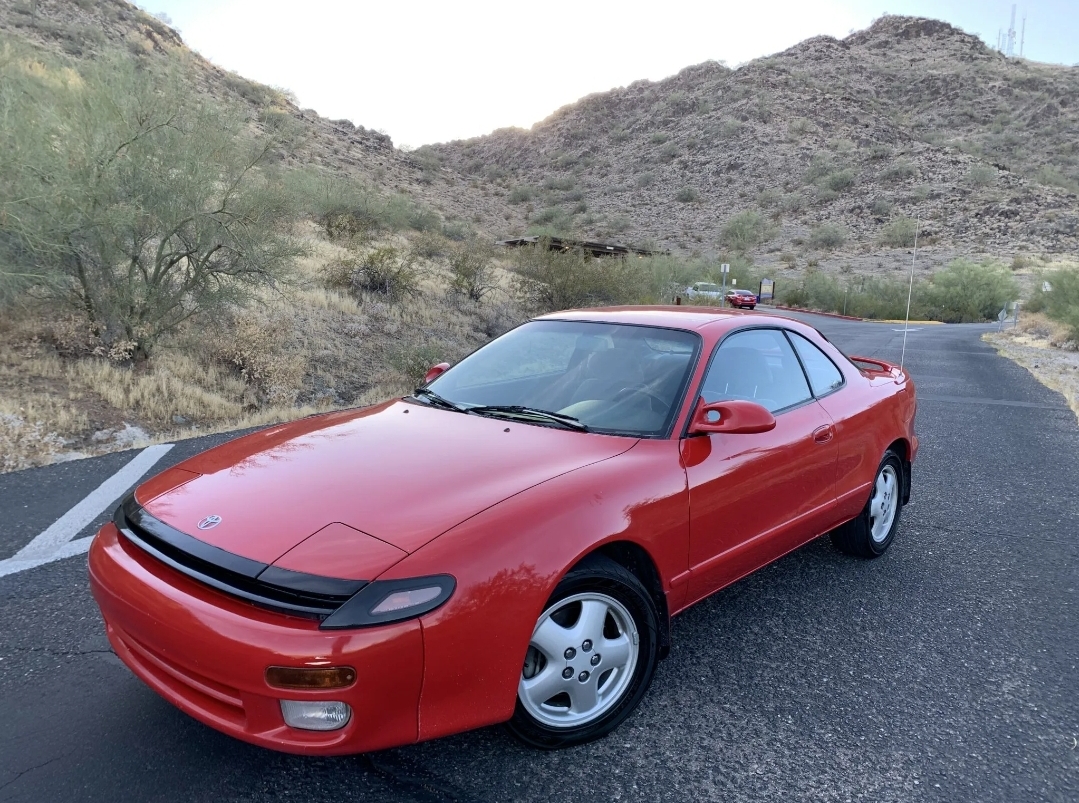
<point>754,497</point>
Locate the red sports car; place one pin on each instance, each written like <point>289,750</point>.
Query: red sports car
<point>742,299</point>
<point>509,543</point>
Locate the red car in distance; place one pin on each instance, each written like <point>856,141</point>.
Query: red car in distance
<point>509,543</point>
<point>742,299</point>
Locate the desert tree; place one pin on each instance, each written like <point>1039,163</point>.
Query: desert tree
<point>133,197</point>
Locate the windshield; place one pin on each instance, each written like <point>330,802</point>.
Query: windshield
<point>612,378</point>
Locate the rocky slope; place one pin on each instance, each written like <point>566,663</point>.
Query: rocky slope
<point>87,28</point>
<point>837,144</point>
<point>911,118</point>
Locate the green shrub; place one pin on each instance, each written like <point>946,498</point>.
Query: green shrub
<point>1062,302</point>
<point>457,231</point>
<point>794,202</point>
<point>839,180</point>
<point>470,267</point>
<point>820,166</point>
<point>827,236</point>
<point>668,152</point>
<point>981,175</point>
<point>560,183</point>
<point>385,271</point>
<point>547,280</point>
<point>968,291</point>
<point>346,209</point>
<point>881,207</point>
<point>746,230</point>
<point>1053,177</point>
<point>521,193</point>
<point>899,233</point>
<point>551,214</point>
<point>687,195</point>
<point>415,361</point>
<point>768,198</point>
<point>645,179</point>
<point>898,171</point>
<point>133,199</point>
<point>880,151</point>
<point>429,245</point>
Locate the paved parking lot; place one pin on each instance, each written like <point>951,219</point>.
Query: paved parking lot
<point>947,670</point>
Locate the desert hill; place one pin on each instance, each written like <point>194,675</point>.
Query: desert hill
<point>839,145</point>
<point>911,118</point>
<point>84,29</point>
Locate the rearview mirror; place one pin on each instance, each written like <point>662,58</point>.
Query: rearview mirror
<point>435,371</point>
<point>735,417</point>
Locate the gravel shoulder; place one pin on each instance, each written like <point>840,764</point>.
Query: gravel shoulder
<point>1054,367</point>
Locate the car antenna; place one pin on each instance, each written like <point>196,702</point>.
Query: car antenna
<point>910,292</point>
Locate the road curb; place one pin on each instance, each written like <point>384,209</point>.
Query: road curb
<point>818,312</point>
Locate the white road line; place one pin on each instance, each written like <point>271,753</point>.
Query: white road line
<point>911,329</point>
<point>55,542</point>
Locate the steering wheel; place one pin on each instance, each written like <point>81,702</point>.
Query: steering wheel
<point>642,390</point>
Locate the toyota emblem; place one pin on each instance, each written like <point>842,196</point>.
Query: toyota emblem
<point>209,522</point>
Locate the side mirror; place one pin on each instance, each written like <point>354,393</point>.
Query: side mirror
<point>735,417</point>
<point>435,371</point>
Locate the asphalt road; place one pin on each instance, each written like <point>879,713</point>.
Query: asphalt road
<point>946,670</point>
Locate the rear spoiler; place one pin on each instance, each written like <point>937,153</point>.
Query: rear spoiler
<point>873,367</point>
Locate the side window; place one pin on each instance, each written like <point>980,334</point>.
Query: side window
<point>757,365</point>
<point>824,377</point>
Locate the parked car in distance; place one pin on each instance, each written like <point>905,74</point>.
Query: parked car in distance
<point>704,291</point>
<point>508,543</point>
<point>742,299</point>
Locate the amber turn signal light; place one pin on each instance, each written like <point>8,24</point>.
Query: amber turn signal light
<point>311,678</point>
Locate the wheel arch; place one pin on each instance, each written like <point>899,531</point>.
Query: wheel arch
<point>901,447</point>
<point>636,559</point>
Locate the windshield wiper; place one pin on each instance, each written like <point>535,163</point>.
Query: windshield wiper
<point>438,401</point>
<point>521,412</point>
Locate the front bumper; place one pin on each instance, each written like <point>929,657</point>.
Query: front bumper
<point>207,652</point>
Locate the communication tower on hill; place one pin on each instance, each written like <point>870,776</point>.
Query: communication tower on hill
<point>1006,41</point>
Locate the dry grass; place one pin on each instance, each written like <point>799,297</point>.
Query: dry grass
<point>1035,345</point>
<point>1037,329</point>
<point>298,349</point>
<point>174,387</point>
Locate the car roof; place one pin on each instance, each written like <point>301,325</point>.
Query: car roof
<point>671,317</point>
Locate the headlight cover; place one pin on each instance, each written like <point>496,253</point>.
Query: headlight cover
<point>385,601</point>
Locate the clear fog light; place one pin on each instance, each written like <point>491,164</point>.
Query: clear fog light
<point>315,715</point>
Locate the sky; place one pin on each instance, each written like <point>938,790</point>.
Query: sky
<point>424,71</point>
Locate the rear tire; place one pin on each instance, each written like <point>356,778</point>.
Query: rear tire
<point>872,531</point>
<point>591,658</point>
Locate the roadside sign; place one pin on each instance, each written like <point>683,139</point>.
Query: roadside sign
<point>725,268</point>
<point>1046,287</point>
<point>1003,314</point>
<point>767,290</point>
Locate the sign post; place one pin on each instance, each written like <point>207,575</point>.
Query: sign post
<point>725,268</point>
<point>767,290</point>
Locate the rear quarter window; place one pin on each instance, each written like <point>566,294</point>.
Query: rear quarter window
<point>824,376</point>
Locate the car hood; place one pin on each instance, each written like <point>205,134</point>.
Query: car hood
<point>402,473</point>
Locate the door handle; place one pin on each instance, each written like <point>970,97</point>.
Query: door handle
<point>823,434</point>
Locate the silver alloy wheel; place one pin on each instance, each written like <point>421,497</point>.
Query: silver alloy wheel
<point>883,504</point>
<point>585,667</point>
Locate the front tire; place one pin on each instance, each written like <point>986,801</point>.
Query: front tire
<point>591,658</point>
<point>872,531</point>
